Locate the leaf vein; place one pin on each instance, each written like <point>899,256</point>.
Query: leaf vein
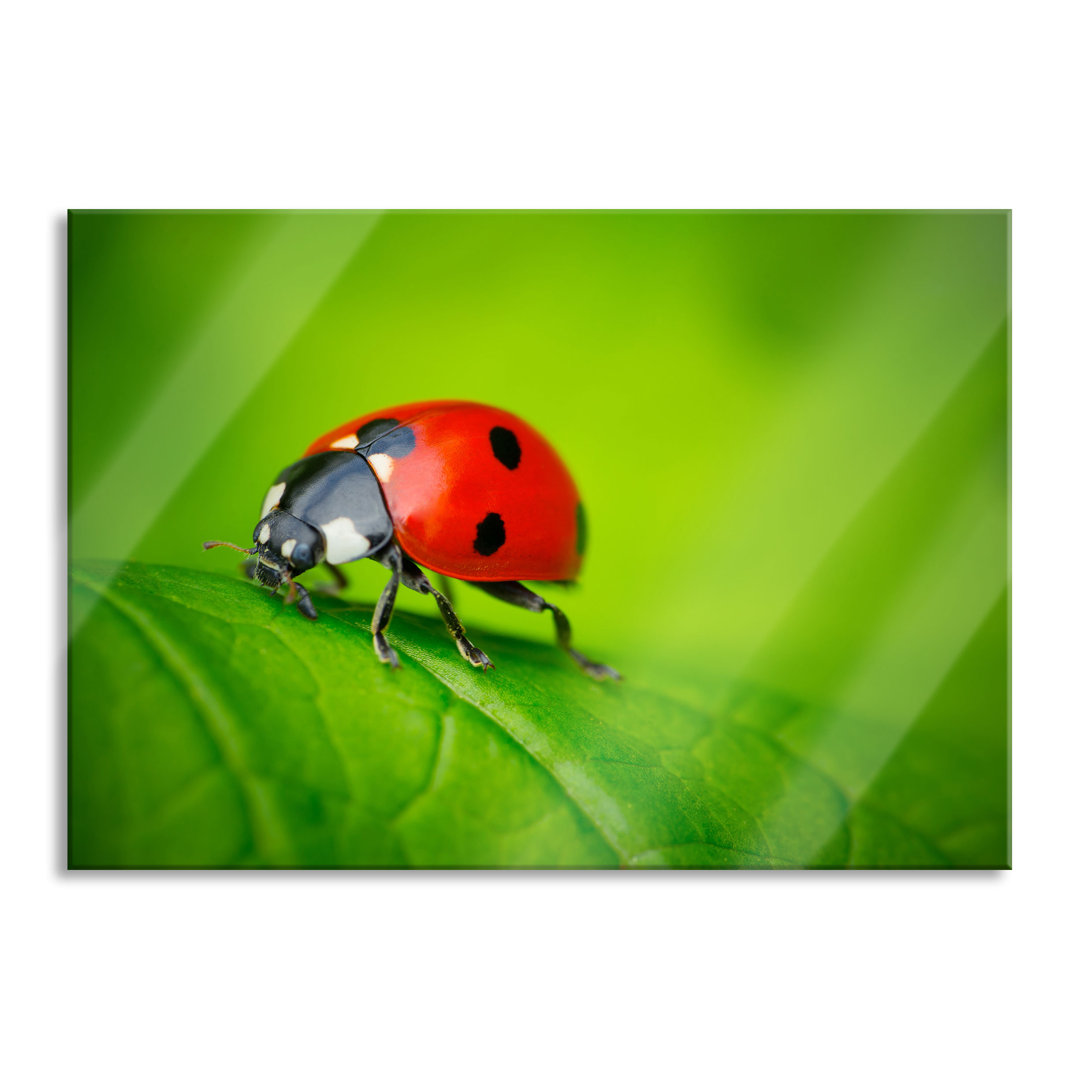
<point>208,707</point>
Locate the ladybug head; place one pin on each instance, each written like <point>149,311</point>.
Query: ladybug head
<point>285,547</point>
<point>327,507</point>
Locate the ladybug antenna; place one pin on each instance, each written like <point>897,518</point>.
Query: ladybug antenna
<point>208,544</point>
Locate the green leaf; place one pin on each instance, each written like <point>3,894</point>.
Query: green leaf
<point>212,726</point>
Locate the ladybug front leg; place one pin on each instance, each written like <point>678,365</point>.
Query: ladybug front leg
<point>513,592</point>
<point>385,608</point>
<point>414,578</point>
<point>304,605</point>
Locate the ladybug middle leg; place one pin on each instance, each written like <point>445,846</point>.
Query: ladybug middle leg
<point>414,578</point>
<point>513,592</point>
<point>445,587</point>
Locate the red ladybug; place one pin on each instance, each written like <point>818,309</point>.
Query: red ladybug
<point>466,490</point>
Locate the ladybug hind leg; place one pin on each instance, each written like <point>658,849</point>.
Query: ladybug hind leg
<point>414,578</point>
<point>513,592</point>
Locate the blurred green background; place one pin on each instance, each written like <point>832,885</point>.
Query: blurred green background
<point>790,429</point>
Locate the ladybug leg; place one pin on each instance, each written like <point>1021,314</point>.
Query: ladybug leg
<point>445,586</point>
<point>304,604</point>
<point>298,595</point>
<point>414,578</point>
<point>385,608</point>
<point>513,592</point>
<point>332,588</point>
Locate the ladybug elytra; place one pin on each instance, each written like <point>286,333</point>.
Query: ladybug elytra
<point>468,491</point>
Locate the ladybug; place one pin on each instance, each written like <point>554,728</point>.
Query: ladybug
<point>468,491</point>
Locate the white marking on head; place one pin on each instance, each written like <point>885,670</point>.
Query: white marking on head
<point>383,466</point>
<point>273,497</point>
<point>287,548</point>
<point>264,534</point>
<point>343,542</point>
<point>346,442</point>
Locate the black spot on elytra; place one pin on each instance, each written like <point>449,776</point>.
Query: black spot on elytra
<point>506,447</point>
<point>385,437</point>
<point>490,535</point>
<point>374,428</point>
<point>582,529</point>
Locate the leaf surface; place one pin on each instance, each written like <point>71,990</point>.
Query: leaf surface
<point>212,726</point>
